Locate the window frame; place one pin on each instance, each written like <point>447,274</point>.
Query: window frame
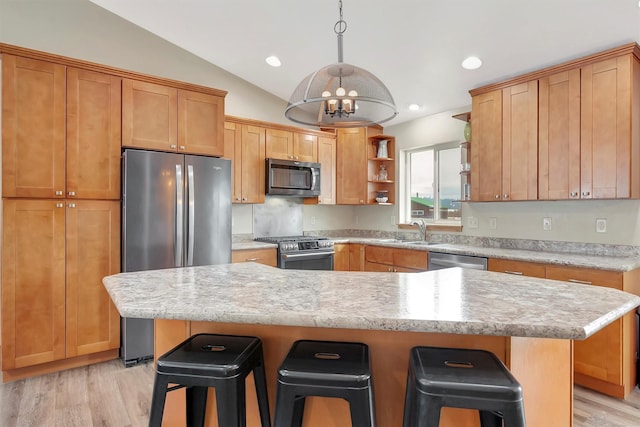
<point>405,181</point>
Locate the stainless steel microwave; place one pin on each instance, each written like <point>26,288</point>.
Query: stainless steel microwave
<point>292,178</point>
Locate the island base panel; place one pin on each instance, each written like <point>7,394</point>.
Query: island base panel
<point>534,360</point>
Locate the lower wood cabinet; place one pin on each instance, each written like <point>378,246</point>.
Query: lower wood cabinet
<point>265,256</point>
<point>356,257</point>
<point>341,257</point>
<point>54,256</point>
<point>383,258</point>
<point>605,361</point>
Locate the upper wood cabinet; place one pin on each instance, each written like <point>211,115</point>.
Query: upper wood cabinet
<point>559,136</point>
<point>39,158</point>
<point>159,117</point>
<point>93,135</point>
<point>245,146</point>
<point>486,156</point>
<point>327,158</point>
<point>200,123</point>
<point>351,166</point>
<point>33,128</point>
<point>588,134</point>
<point>520,142</point>
<point>288,145</point>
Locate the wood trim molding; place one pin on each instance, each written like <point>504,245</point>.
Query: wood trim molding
<point>270,125</point>
<point>627,49</point>
<point>91,66</point>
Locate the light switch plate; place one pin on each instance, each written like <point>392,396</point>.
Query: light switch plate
<point>601,225</point>
<point>546,223</point>
<point>472,221</point>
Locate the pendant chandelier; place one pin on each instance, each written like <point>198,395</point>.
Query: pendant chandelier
<point>341,95</point>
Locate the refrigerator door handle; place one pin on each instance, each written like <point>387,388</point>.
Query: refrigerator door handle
<point>179,214</point>
<point>192,210</point>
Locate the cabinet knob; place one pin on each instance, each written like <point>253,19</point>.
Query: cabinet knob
<point>586,193</point>
<point>182,147</point>
<point>497,196</point>
<point>244,199</point>
<point>574,194</point>
<point>505,196</point>
<point>72,193</point>
<point>173,146</point>
<point>72,205</point>
<point>296,157</point>
<point>362,201</point>
<point>59,205</point>
<point>59,192</point>
<point>238,199</point>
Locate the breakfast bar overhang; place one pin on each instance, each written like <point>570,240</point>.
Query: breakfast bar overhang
<point>528,323</point>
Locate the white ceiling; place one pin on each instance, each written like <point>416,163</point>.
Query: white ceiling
<point>414,46</point>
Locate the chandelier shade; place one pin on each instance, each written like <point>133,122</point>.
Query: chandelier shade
<point>341,95</point>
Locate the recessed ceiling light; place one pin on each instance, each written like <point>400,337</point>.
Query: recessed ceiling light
<point>414,107</point>
<point>472,63</point>
<point>274,61</point>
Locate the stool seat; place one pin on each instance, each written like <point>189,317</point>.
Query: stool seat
<point>325,369</point>
<point>461,378</point>
<point>212,360</point>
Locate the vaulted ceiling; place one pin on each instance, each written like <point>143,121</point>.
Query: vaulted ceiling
<point>414,46</point>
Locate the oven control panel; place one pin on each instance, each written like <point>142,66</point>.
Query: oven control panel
<point>307,245</point>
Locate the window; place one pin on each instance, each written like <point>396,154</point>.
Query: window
<point>432,185</point>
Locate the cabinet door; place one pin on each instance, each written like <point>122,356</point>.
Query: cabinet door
<point>519,268</point>
<point>305,147</point>
<point>599,356</point>
<point>261,256</point>
<point>351,171</point>
<point>33,282</point>
<point>252,163</point>
<point>559,136</point>
<point>33,123</point>
<point>93,252</point>
<point>606,129</point>
<point>486,152</point>
<point>279,144</point>
<point>232,138</point>
<point>356,257</point>
<point>200,123</point>
<point>379,254</point>
<point>93,135</point>
<point>410,260</point>
<point>327,158</point>
<point>520,142</point>
<point>149,116</point>
<point>341,257</point>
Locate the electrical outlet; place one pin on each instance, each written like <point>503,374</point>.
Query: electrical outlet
<point>493,223</point>
<point>601,225</point>
<point>472,222</point>
<point>546,224</point>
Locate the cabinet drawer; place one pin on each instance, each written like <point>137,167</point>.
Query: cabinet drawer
<point>379,254</point>
<point>408,258</point>
<point>261,256</point>
<point>520,268</point>
<point>610,279</point>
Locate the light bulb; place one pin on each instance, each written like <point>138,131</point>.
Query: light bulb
<point>340,91</point>
<point>326,94</point>
<point>353,93</point>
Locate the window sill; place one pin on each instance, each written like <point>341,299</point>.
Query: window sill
<point>453,228</point>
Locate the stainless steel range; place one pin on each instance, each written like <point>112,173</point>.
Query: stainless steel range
<point>303,252</point>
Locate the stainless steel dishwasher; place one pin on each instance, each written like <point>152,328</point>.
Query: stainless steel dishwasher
<point>439,260</point>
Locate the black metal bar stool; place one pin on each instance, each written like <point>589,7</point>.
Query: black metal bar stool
<point>210,360</point>
<point>461,378</point>
<point>326,369</point>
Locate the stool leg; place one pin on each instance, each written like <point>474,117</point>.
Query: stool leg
<point>196,406</point>
<point>260,380</point>
<point>428,412</point>
<point>158,398</point>
<point>289,407</point>
<point>231,401</point>
<point>362,408</point>
<point>514,415</point>
<point>408,419</point>
<point>490,419</point>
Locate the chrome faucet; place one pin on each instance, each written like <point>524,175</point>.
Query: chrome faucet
<point>422,226</point>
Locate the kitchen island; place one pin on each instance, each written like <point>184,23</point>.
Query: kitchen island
<point>528,323</point>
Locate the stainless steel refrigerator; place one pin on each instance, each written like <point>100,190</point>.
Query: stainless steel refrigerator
<point>176,212</point>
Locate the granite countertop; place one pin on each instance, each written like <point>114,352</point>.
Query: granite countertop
<point>455,300</point>
<point>600,262</point>
<point>251,245</point>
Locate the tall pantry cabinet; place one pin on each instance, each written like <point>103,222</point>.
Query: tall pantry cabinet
<point>61,215</point>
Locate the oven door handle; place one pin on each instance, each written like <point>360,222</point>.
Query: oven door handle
<point>308,255</point>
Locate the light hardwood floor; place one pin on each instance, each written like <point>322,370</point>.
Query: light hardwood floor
<point>109,395</point>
